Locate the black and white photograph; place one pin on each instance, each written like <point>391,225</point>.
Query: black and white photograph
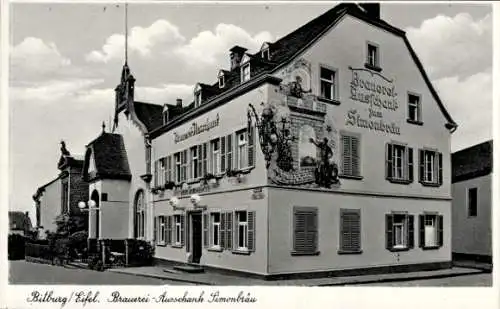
<point>222,144</point>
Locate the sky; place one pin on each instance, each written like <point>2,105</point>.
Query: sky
<point>65,60</point>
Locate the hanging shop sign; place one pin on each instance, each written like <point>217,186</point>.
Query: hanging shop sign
<point>197,128</point>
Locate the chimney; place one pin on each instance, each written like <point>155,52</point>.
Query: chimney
<point>371,9</point>
<point>179,102</point>
<point>235,55</point>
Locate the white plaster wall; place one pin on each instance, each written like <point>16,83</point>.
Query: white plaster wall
<point>50,206</point>
<point>373,211</point>
<point>472,235</point>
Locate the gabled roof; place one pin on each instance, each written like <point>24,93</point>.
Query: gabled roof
<point>149,114</point>
<point>19,220</point>
<point>289,47</point>
<point>110,158</point>
<point>472,162</point>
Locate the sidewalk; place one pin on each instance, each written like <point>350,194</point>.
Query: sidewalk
<point>215,278</point>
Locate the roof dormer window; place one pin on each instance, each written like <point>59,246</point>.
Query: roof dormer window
<point>221,79</point>
<point>245,72</point>
<point>265,54</point>
<point>197,95</point>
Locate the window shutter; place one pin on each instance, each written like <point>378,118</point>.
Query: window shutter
<point>182,230</point>
<point>421,168</point>
<point>222,230</point>
<point>155,238</point>
<point>223,154</point>
<point>440,167</point>
<point>251,230</point>
<point>205,229</point>
<point>350,230</point>
<point>440,231</point>
<point>346,155</point>
<point>168,237</point>
<point>174,168</point>
<point>186,234</point>
<point>229,230</point>
<point>388,163</point>
<point>421,231</point>
<point>410,164</point>
<point>156,174</point>
<point>299,231</point>
<point>251,146</point>
<point>411,232</point>
<point>205,160</point>
<point>355,155</point>
<point>200,160</point>
<point>388,232</point>
<point>229,152</point>
<point>313,230</point>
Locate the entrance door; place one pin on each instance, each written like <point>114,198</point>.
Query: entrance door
<point>196,236</point>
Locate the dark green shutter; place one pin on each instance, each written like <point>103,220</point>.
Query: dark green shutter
<point>440,167</point>
<point>223,154</point>
<point>251,146</point>
<point>305,229</point>
<point>229,152</point>
<point>229,231</point>
<point>388,232</point>
<point>222,230</point>
<point>346,156</point>
<point>410,164</point>
<point>440,231</point>
<point>205,160</point>
<point>182,230</point>
<point>205,230</point>
<point>421,231</point>
<point>168,237</point>
<point>155,174</point>
<point>350,230</point>
<point>421,169</point>
<point>251,230</point>
<point>411,232</point>
<point>388,161</point>
<point>355,156</point>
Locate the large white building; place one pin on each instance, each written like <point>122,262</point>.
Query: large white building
<point>328,150</point>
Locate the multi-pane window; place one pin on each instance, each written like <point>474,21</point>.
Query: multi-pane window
<point>194,163</point>
<point>215,156</point>
<point>242,150</point>
<point>431,231</point>
<point>414,108</point>
<point>399,163</point>
<point>327,84</point>
<point>350,155</point>
<point>184,165</point>
<point>350,230</point>
<point>140,217</point>
<point>241,230</point>
<point>472,202</point>
<point>431,167</point>
<point>161,231</point>
<point>305,230</point>
<point>372,58</point>
<point>215,234</point>
<point>399,231</point>
<point>177,159</point>
<point>168,168</point>
<point>161,172</point>
<point>245,72</point>
<point>177,229</point>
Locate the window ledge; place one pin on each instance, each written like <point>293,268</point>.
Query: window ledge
<point>417,122</point>
<point>398,249</point>
<point>351,177</point>
<point>241,252</point>
<point>430,248</point>
<point>400,181</point>
<point>215,249</point>
<point>295,253</point>
<point>349,252</point>
<point>329,101</point>
<point>177,246</point>
<point>373,68</point>
<point>430,184</point>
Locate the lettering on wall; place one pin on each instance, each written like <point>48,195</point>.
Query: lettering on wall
<point>378,95</point>
<point>196,129</point>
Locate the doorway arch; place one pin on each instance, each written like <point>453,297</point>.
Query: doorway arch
<point>95,197</point>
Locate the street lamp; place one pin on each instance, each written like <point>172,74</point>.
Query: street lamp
<point>83,206</point>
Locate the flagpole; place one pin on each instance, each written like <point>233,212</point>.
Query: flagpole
<point>126,33</point>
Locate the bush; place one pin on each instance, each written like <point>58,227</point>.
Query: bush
<point>16,246</point>
<point>78,244</point>
<point>141,252</point>
<point>95,263</point>
<point>39,251</point>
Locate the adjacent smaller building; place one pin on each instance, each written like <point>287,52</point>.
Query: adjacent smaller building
<point>19,223</point>
<point>62,194</point>
<point>471,208</point>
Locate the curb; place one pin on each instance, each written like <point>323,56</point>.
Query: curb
<point>411,278</point>
<point>163,277</point>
